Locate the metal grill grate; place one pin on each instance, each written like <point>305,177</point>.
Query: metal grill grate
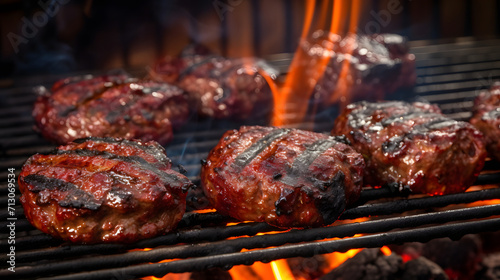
<point>449,74</point>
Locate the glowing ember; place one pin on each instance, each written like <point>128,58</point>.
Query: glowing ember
<point>205,211</point>
<point>386,251</point>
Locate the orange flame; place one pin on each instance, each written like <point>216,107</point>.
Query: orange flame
<point>292,99</point>
<point>281,270</point>
<point>345,81</point>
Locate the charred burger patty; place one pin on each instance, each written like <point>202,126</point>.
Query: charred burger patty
<point>413,146</point>
<point>285,177</point>
<point>103,190</point>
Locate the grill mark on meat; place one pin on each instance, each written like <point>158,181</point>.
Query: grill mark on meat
<point>436,124</point>
<point>301,164</point>
<point>113,115</point>
<point>408,116</point>
<point>156,151</point>
<point>76,197</point>
<point>192,67</point>
<point>393,145</point>
<point>256,148</point>
<point>136,160</point>
<point>95,95</point>
<point>136,95</point>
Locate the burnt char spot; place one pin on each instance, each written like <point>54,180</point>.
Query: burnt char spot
<point>256,148</point>
<point>181,168</point>
<point>393,145</point>
<point>342,139</point>
<point>333,201</point>
<point>286,203</point>
<point>277,176</point>
<point>300,165</point>
<point>76,197</point>
<point>40,182</point>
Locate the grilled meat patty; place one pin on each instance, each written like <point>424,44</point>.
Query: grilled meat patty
<point>373,65</point>
<point>486,118</point>
<point>413,146</point>
<point>285,177</point>
<point>103,190</point>
<point>110,106</point>
<point>220,87</point>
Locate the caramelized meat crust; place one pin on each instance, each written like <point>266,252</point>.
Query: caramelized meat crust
<point>413,146</point>
<point>98,190</point>
<point>285,177</point>
<point>486,118</point>
<point>110,106</point>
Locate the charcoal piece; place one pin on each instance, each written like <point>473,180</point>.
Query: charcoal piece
<point>421,268</point>
<point>308,268</point>
<point>210,274</point>
<point>369,264</point>
<point>458,258</point>
<point>489,268</point>
<point>462,257</point>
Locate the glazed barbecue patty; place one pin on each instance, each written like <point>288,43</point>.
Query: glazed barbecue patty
<point>221,88</point>
<point>374,66</point>
<point>98,190</point>
<point>110,106</point>
<point>285,177</point>
<point>413,146</point>
<point>487,118</point>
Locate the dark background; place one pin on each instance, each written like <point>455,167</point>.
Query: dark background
<point>81,35</point>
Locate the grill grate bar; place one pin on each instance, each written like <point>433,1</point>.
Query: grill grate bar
<point>212,234</point>
<point>459,68</point>
<point>458,60</point>
<point>305,249</point>
<point>462,76</point>
<point>397,206</point>
<point>469,43</point>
